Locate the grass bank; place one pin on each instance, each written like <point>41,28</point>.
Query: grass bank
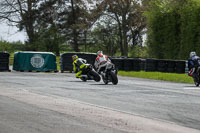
<point>173,77</point>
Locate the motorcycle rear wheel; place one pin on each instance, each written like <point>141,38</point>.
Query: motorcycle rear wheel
<point>96,76</point>
<point>83,79</point>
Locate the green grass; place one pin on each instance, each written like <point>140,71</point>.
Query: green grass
<point>173,77</point>
<point>58,62</point>
<point>11,59</point>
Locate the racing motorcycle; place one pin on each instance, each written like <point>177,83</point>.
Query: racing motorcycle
<point>197,75</point>
<point>109,73</point>
<point>90,74</point>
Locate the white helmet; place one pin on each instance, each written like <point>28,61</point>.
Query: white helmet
<point>192,54</point>
<point>99,52</point>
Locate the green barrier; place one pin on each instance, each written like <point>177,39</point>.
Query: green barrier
<point>34,61</point>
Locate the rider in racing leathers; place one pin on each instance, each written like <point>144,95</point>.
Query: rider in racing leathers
<point>78,65</point>
<point>101,61</point>
<point>193,64</point>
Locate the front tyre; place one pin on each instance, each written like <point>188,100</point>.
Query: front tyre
<point>105,80</point>
<point>196,81</point>
<point>96,76</point>
<point>114,77</point>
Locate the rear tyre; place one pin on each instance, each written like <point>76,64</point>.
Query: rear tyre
<point>196,81</point>
<point>83,79</point>
<point>114,78</point>
<point>96,76</point>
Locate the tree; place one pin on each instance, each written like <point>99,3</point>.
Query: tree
<point>105,36</point>
<point>173,28</point>
<point>128,16</point>
<point>48,35</point>
<point>23,14</point>
<point>76,18</point>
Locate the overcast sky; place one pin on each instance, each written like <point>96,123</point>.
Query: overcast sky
<point>10,33</point>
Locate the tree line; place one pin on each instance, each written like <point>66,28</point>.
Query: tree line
<point>173,28</point>
<point>50,23</point>
<point>114,26</point>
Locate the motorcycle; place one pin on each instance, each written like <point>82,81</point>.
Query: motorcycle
<point>197,75</point>
<point>90,74</point>
<point>109,73</point>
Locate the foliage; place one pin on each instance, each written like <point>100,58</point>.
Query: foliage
<point>49,24</point>
<point>11,47</point>
<point>190,28</point>
<point>127,14</point>
<point>76,19</point>
<point>49,39</point>
<point>104,37</point>
<point>5,46</point>
<point>173,28</point>
<point>139,52</point>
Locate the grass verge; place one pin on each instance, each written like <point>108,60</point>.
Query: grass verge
<point>173,77</point>
<point>11,59</point>
<point>58,62</point>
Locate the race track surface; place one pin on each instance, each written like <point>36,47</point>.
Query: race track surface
<point>58,102</point>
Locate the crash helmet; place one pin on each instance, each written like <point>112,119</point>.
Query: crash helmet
<point>192,54</point>
<point>99,53</point>
<point>74,57</point>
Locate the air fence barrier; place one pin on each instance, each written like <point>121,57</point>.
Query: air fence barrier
<point>4,61</point>
<point>128,64</point>
<point>28,61</point>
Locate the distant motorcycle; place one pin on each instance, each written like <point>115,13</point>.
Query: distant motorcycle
<point>109,73</point>
<point>197,77</point>
<point>90,74</point>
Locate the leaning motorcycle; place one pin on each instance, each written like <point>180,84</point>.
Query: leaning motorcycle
<point>90,74</point>
<point>109,73</point>
<point>197,75</point>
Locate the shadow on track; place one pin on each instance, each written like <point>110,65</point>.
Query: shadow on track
<point>193,86</point>
<point>101,84</point>
<point>80,81</point>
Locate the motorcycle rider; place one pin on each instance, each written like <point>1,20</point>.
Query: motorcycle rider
<point>193,64</point>
<point>78,65</point>
<point>100,61</point>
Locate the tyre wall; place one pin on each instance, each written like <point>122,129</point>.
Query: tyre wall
<point>150,65</point>
<point>128,64</point>
<point>66,60</point>
<point>4,61</point>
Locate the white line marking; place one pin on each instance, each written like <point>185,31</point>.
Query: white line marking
<point>191,88</point>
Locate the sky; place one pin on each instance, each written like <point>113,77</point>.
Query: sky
<point>11,34</point>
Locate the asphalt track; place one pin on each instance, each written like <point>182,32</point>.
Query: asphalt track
<point>36,102</point>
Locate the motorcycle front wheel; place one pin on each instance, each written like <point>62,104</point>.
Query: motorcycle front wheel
<point>105,80</point>
<point>114,77</point>
<point>196,81</point>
